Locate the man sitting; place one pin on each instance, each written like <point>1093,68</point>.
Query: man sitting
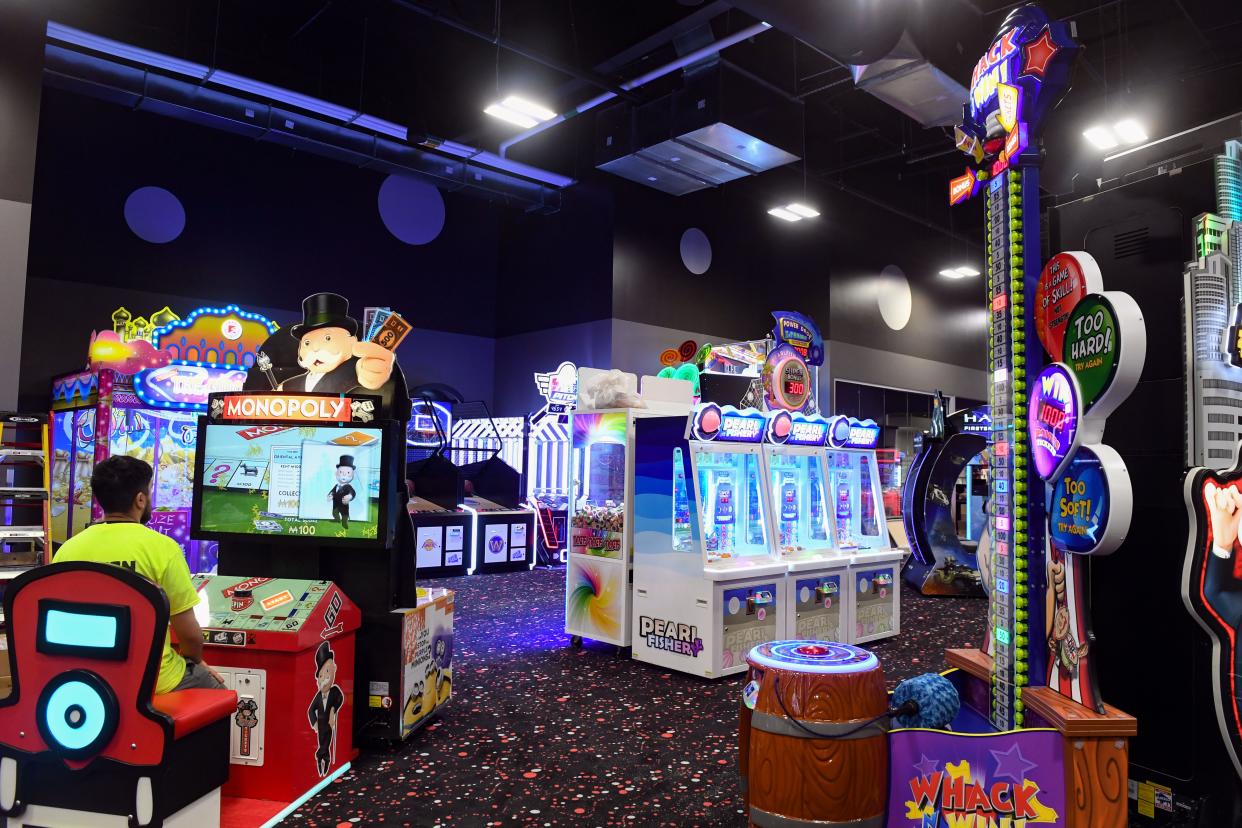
<point>122,486</point>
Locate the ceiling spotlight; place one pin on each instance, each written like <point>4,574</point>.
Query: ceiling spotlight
<point>1101,137</point>
<point>802,210</point>
<point>959,272</point>
<point>504,113</point>
<point>1130,131</point>
<point>782,213</point>
<point>528,108</point>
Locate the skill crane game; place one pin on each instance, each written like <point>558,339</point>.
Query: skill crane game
<point>1058,493</point>
<point>148,381</point>
<point>598,598</point>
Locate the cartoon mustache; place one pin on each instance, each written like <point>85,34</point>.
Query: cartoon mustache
<point>316,359</point>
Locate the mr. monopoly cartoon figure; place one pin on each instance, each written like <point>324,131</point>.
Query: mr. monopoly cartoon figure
<point>325,706</point>
<point>335,362</point>
<point>342,493</point>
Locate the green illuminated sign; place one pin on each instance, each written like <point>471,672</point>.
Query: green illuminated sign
<point>1091,346</point>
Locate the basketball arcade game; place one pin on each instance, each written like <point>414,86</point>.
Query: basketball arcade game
<point>443,535</point>
<point>1033,706</point>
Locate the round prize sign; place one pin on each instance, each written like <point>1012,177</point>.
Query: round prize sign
<point>1053,419</point>
<point>1078,517</point>
<point>1091,346</point>
<point>1063,282</point>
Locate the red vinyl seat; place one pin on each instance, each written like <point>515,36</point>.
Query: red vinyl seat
<point>82,729</point>
<point>192,710</point>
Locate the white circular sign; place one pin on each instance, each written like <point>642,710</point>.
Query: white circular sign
<point>804,594</point>
<point>231,329</point>
<point>893,297</point>
<point>734,605</point>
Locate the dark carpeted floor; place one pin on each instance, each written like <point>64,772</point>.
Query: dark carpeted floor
<point>541,734</point>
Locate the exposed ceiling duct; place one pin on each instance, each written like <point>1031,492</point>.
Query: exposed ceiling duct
<point>720,126</point>
<point>870,37</point>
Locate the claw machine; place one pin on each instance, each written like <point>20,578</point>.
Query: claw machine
<point>801,525</point>
<point>598,597</point>
<point>709,583</point>
<point>856,503</point>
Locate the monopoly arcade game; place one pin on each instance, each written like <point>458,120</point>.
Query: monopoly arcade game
<point>320,497</point>
<point>286,647</point>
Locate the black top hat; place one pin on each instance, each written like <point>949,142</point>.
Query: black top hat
<point>346,460</point>
<point>325,310</point>
<point>322,656</point>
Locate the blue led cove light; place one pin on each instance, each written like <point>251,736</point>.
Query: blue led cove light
<point>80,629</point>
<point>75,715</point>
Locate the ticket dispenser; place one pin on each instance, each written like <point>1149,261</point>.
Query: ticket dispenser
<point>286,646</point>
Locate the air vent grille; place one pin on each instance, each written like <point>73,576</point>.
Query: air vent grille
<point>1130,243</point>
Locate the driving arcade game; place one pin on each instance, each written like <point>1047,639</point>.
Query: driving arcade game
<point>321,547</point>
<point>940,564</point>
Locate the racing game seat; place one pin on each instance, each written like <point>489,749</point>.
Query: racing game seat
<point>80,731</point>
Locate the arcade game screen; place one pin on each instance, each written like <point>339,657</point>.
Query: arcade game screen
<point>290,481</point>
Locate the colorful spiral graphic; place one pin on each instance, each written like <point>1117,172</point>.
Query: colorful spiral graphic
<point>593,603</point>
<point>599,428</point>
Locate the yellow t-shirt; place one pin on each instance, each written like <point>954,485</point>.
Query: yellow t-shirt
<point>155,557</point>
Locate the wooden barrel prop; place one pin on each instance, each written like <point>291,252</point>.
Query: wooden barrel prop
<point>808,758</point>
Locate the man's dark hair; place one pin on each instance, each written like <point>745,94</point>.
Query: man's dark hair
<point>117,480</point>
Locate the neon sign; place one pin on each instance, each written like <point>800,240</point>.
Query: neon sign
<point>710,421</point>
<point>1053,419</point>
<point>299,407</point>
<point>186,385</point>
<point>848,432</point>
<point>559,388</point>
<point>421,431</point>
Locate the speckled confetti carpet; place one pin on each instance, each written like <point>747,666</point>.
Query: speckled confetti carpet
<point>540,734</point>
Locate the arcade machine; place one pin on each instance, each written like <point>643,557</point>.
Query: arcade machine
<point>1033,740</point>
<point>940,563</point>
<point>860,529</point>
<point>489,489</point>
<point>546,461</point>
<point>801,527</point>
<point>329,522</point>
<point>708,582</point>
<point>598,599</point>
<point>24,514</point>
<point>147,385</point>
<point>443,536</point>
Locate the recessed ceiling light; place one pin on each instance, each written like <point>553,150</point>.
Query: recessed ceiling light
<point>530,108</point>
<point>504,113</point>
<point>1130,131</point>
<point>802,210</point>
<point>782,213</point>
<point>967,270</point>
<point>652,178</point>
<point>952,273</point>
<point>1101,137</point>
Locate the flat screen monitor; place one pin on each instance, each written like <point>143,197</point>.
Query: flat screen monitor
<point>317,484</point>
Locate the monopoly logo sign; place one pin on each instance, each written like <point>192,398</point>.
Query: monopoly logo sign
<point>670,636</point>
<point>285,407</point>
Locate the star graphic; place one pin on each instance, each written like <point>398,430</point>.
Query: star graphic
<point>1011,763</point>
<point>1037,54</point>
<point>926,767</point>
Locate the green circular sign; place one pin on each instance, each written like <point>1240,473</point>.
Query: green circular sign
<point>1091,346</point>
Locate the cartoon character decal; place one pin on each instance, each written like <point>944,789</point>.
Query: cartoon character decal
<point>342,493</point>
<point>325,707</point>
<point>1212,587</point>
<point>1063,645</point>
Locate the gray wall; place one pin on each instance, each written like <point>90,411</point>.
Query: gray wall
<point>844,360</point>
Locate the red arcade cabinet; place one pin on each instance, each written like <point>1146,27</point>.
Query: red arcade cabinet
<point>82,741</point>
<point>286,646</point>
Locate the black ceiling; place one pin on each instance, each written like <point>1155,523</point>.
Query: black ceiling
<point>434,64</point>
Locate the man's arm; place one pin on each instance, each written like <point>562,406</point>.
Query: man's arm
<point>189,635</point>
